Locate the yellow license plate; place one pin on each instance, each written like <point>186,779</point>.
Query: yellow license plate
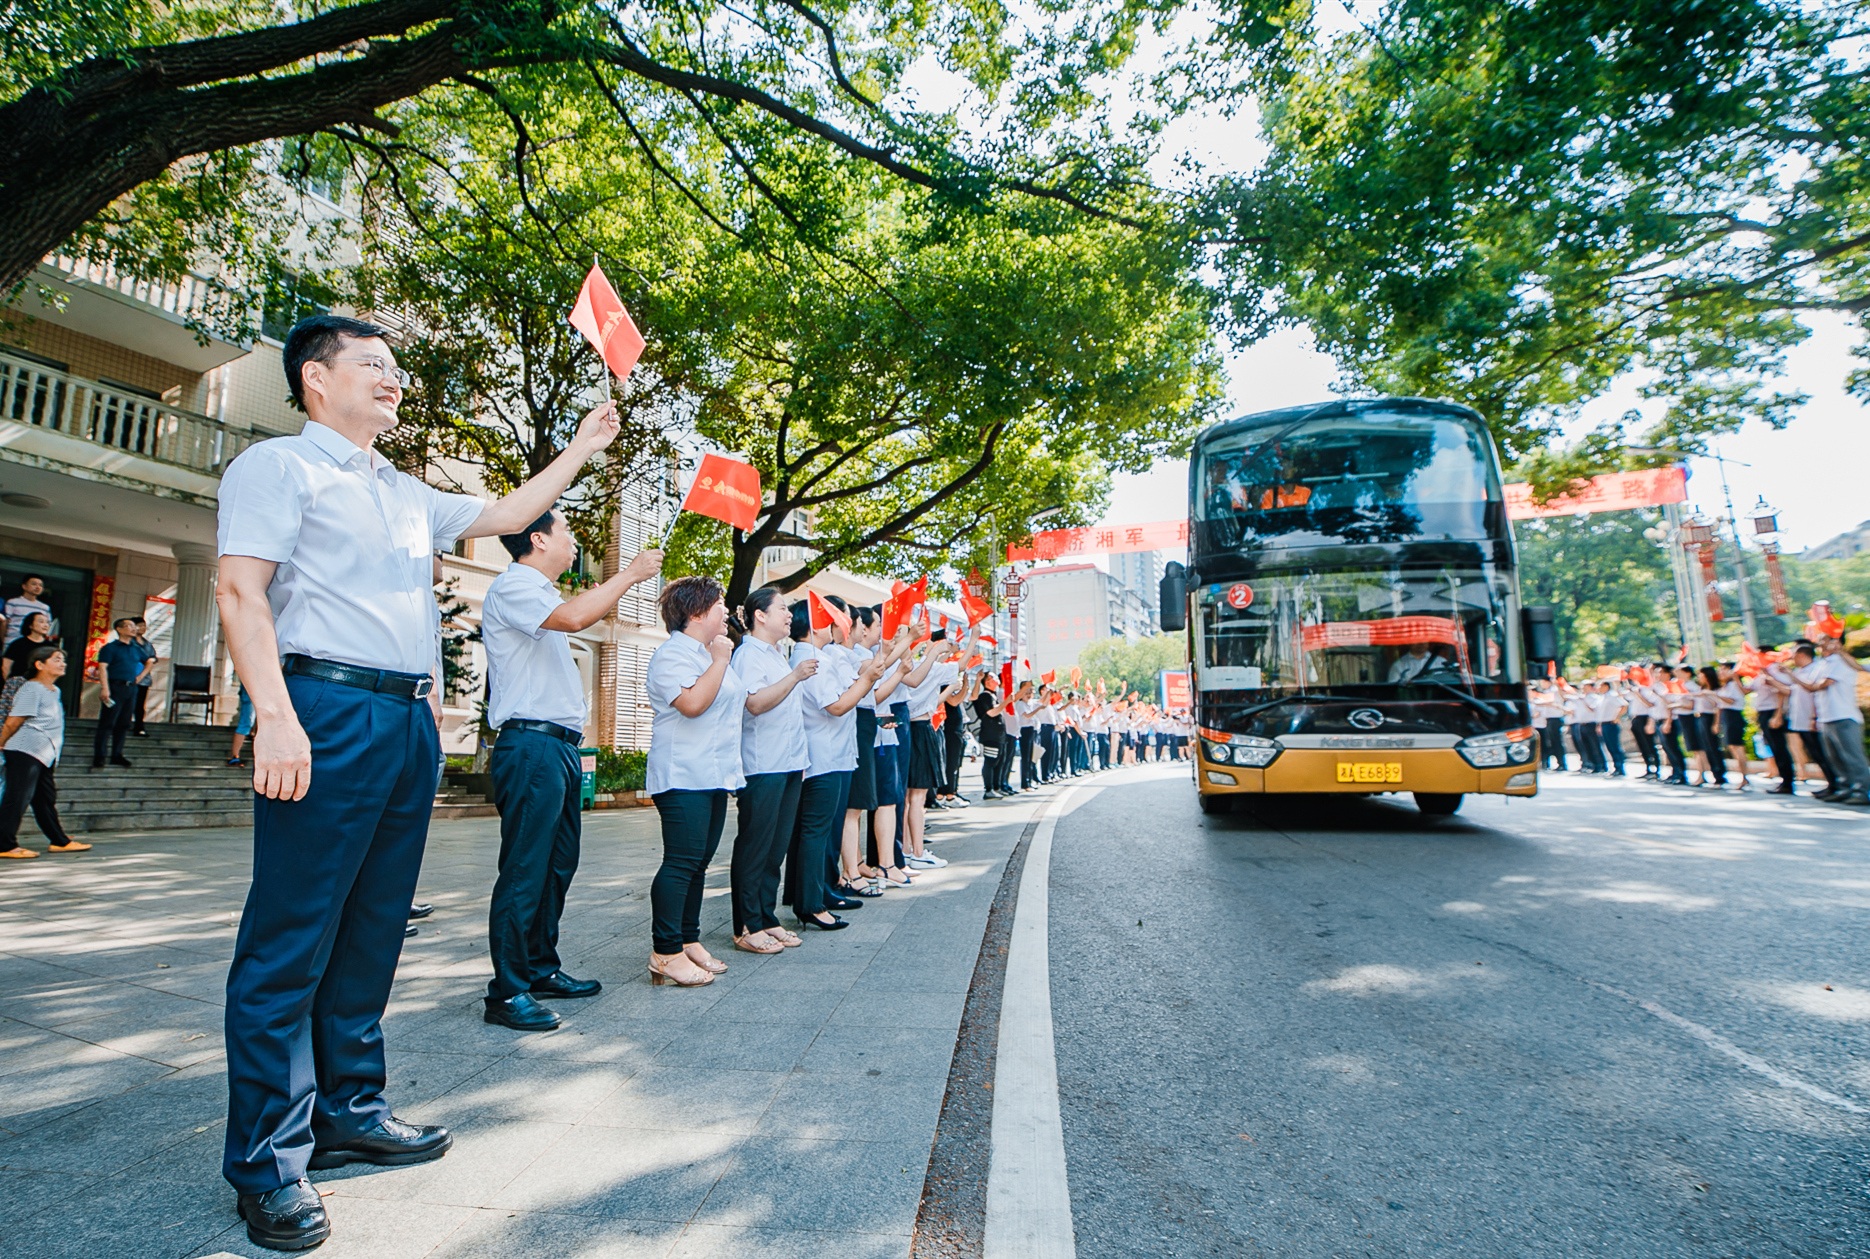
<point>1369,771</point>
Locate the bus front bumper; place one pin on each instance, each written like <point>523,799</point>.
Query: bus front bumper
<point>1438,771</point>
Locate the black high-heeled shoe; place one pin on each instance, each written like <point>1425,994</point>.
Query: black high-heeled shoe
<point>812,924</point>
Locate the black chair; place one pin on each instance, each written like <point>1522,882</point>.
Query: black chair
<point>190,684</point>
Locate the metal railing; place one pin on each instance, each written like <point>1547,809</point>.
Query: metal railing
<point>193,298</point>
<point>115,419</point>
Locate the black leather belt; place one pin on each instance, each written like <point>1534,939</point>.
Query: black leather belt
<point>552,728</point>
<point>387,681</point>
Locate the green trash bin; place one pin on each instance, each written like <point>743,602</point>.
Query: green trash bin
<point>587,779</point>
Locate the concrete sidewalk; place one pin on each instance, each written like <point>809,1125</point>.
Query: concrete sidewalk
<point>786,1110</point>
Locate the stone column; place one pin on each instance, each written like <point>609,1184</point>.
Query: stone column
<point>195,615</point>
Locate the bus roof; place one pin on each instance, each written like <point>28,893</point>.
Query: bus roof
<point>1338,407</point>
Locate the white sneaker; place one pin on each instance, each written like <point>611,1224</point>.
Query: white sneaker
<point>928,861</point>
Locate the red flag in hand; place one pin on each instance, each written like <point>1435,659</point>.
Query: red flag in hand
<point>972,661</point>
<point>725,489</point>
<point>1077,675</point>
<point>1006,680</point>
<point>826,614</point>
<point>976,608</point>
<point>901,604</point>
<point>1049,676</point>
<point>600,315</point>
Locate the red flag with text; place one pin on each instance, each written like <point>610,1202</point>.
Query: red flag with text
<point>725,489</point>
<point>901,605</point>
<point>600,315</point>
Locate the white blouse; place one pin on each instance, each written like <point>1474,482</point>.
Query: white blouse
<point>692,753</point>
<point>772,742</point>
<point>830,742</point>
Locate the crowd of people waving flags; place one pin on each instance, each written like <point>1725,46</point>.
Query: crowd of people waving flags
<point>1788,716</point>
<point>836,729</point>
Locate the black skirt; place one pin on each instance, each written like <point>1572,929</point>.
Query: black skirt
<point>925,756</point>
<point>864,778</point>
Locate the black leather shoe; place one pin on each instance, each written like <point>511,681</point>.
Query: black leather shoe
<point>812,924</point>
<point>120,762</point>
<point>408,932</point>
<point>421,909</point>
<point>834,901</point>
<point>291,1217</point>
<point>391,1143</point>
<point>520,1013</point>
<point>559,984</point>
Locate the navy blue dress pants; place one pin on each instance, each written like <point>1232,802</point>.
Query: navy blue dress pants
<point>821,819</point>
<point>536,781</point>
<point>333,876</point>
<point>767,808</point>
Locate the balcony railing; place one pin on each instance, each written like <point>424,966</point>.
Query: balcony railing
<point>115,419</point>
<point>193,298</point>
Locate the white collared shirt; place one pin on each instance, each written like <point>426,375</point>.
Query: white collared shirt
<point>1837,702</point>
<point>42,733</point>
<point>772,742</point>
<point>531,675</point>
<point>353,539</point>
<point>830,742</point>
<point>692,753</point>
<point>923,697</point>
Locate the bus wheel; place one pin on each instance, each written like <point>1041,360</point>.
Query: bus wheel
<point>1212,805</point>
<point>1438,804</point>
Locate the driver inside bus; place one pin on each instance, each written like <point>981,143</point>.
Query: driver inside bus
<point>1419,659</point>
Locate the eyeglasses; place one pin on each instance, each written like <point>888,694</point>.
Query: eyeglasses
<point>384,370</point>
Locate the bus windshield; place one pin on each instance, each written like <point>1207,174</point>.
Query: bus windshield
<point>1394,627</point>
<point>1371,476</point>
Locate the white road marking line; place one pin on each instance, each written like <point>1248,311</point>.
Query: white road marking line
<point>1721,1045</point>
<point>1028,1199</point>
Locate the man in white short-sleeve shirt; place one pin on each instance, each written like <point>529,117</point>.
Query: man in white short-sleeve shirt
<point>325,594</point>
<point>1832,679</point>
<point>537,703</point>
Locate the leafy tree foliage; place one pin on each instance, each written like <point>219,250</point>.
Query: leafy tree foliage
<point>1512,204</point>
<point>1610,584</point>
<point>1133,664</point>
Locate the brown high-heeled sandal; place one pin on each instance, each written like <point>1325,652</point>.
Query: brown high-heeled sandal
<point>757,942</point>
<point>786,938</point>
<point>658,976</point>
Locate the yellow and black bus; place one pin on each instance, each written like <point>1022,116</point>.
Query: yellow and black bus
<point>1352,607</point>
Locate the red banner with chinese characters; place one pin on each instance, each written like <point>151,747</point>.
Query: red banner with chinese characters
<point>97,624</point>
<point>1614,491</point>
<point>1159,535</point>
<point>1177,693</point>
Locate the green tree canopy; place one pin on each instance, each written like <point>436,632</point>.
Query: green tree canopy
<point>1133,664</point>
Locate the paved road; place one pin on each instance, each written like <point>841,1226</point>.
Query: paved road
<point>1616,1020</point>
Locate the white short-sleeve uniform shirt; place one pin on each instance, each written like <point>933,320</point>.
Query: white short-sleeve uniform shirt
<point>692,753</point>
<point>830,742</point>
<point>772,742</point>
<point>530,670</point>
<point>353,539</point>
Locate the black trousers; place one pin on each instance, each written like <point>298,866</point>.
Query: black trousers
<point>1610,738</point>
<point>821,818</point>
<point>1552,744</point>
<point>1028,772</point>
<point>1048,751</point>
<point>1814,748</point>
<point>113,722</point>
<point>535,786</point>
<point>991,767</point>
<point>333,875</point>
<point>142,702</point>
<point>1709,741</point>
<point>954,748</point>
<point>692,822</point>
<point>768,809</point>
<point>1645,743</point>
<point>1671,741</point>
<point>29,783</point>
<point>1781,749</point>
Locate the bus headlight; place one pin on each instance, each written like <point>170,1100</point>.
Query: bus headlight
<point>1501,747</point>
<point>1239,749</point>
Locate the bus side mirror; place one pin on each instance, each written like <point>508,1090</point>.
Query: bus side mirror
<point>1172,595</point>
<point>1541,634</point>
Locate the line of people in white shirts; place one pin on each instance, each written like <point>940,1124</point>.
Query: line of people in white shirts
<point>1689,725</point>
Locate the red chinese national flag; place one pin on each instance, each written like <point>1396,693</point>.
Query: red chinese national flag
<point>976,608</point>
<point>600,315</point>
<point>972,661</point>
<point>1049,676</point>
<point>901,605</point>
<point>826,614</point>
<point>725,489</point>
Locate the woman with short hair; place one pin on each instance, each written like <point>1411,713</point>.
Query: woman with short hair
<point>773,757</point>
<point>696,700</point>
<point>33,735</point>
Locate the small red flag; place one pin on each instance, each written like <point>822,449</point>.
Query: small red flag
<point>826,614</point>
<point>1006,678</point>
<point>902,603</point>
<point>1077,675</point>
<point>725,489</point>
<point>976,608</point>
<point>972,660</point>
<point>1100,687</point>
<point>1049,676</point>
<point>600,315</point>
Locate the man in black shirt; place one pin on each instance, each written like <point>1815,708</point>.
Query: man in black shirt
<point>993,766</point>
